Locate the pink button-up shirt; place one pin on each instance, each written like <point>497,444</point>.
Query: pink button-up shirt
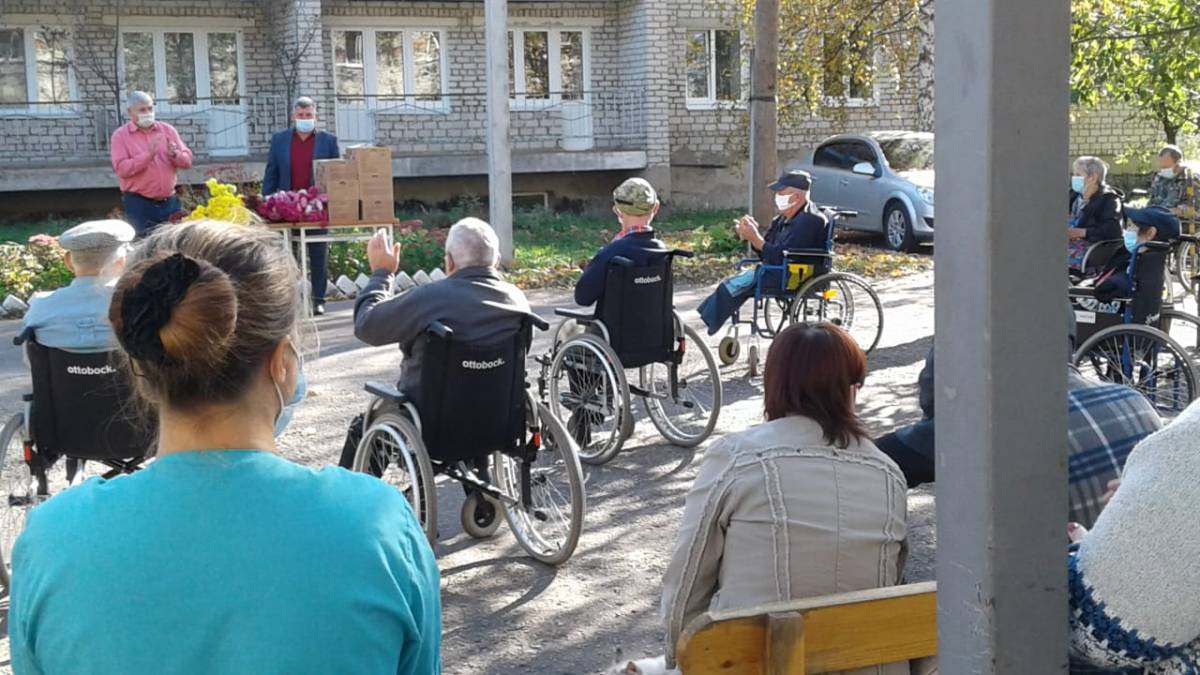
<point>149,175</point>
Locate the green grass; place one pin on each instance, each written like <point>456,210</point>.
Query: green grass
<point>20,232</point>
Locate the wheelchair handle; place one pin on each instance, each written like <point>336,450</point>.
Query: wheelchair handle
<point>621,260</point>
<point>810,252</point>
<point>440,329</point>
<point>1157,246</point>
<point>25,336</point>
<point>680,253</point>
<point>1139,192</point>
<point>538,322</point>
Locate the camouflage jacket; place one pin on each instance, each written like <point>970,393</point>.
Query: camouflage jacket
<point>1176,192</point>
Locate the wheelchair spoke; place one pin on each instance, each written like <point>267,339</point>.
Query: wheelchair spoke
<point>684,411</point>
<point>586,394</point>
<point>1144,360</point>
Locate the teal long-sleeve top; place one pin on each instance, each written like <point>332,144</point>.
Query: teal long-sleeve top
<point>225,561</point>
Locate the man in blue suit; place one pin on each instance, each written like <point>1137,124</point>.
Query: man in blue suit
<point>290,167</point>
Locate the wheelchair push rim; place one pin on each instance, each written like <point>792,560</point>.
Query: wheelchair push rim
<point>1142,358</point>
<point>392,450</point>
<point>548,523</point>
<point>844,300</point>
<point>20,491</point>
<point>686,415</point>
<point>589,394</point>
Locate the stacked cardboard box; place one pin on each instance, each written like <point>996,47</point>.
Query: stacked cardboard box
<point>338,179</point>
<point>374,170</point>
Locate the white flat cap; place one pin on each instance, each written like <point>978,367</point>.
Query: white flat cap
<point>96,234</point>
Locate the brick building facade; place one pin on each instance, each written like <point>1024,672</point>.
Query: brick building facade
<point>601,88</point>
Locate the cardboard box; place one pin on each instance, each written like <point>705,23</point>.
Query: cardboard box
<point>372,163</point>
<point>343,211</point>
<point>336,178</point>
<point>378,209</point>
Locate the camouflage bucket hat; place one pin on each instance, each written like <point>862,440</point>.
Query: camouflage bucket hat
<point>635,197</point>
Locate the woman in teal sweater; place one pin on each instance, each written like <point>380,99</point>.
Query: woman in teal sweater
<point>220,556</point>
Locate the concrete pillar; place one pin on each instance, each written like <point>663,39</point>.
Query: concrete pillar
<point>499,151</point>
<point>1001,120</point>
<point>764,153</point>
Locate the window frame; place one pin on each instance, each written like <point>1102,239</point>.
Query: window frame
<point>200,65</point>
<point>32,107</point>
<point>711,102</point>
<point>853,101</point>
<point>411,105</point>
<point>517,100</point>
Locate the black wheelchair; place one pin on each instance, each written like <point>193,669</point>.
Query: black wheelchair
<point>1131,340</point>
<point>634,325</point>
<point>79,410</point>
<point>474,421</point>
<point>805,289</point>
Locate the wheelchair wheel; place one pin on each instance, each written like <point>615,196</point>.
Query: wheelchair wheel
<point>548,520</point>
<point>843,300</point>
<point>392,449</point>
<point>480,516</point>
<point>1183,328</point>
<point>728,350</point>
<point>776,314</point>
<point>20,491</point>
<point>1187,265</point>
<point>589,393</point>
<point>1145,359</point>
<point>686,415</point>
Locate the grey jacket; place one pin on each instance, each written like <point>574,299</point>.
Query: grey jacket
<point>777,514</point>
<point>474,302</point>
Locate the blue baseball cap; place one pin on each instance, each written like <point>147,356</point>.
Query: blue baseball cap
<point>801,180</point>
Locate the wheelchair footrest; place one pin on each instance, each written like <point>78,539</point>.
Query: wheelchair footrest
<point>387,391</point>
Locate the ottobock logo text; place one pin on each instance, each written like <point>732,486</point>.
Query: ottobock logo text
<point>483,365</point>
<point>88,370</point>
<point>648,280</point>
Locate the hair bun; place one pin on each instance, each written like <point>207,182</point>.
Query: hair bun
<point>174,311</point>
<point>147,307</point>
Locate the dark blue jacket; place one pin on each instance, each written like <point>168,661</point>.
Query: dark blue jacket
<point>640,247</point>
<point>807,229</point>
<point>278,175</point>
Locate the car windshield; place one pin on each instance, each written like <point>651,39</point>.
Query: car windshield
<point>908,154</point>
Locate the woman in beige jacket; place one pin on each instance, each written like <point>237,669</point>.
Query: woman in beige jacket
<point>800,506</point>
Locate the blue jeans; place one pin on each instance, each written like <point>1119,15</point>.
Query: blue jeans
<point>146,214</point>
<point>1160,217</point>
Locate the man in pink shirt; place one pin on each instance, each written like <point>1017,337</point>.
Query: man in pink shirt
<point>146,154</point>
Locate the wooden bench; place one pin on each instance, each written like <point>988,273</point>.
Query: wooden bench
<point>814,635</point>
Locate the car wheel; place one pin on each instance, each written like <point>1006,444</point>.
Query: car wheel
<point>898,229</point>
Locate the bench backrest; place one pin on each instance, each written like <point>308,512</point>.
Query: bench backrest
<point>814,635</point>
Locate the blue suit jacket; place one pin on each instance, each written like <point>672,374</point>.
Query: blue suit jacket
<point>279,161</point>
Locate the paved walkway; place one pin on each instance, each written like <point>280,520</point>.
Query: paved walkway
<point>504,613</point>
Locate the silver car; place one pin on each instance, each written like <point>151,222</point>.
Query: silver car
<point>886,176</point>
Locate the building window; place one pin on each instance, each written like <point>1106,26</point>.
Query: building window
<point>714,68</point>
<point>183,68</point>
<point>843,83</point>
<point>547,66</point>
<point>390,70</point>
<point>35,68</point>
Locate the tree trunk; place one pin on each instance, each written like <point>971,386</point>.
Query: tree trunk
<point>924,66</point>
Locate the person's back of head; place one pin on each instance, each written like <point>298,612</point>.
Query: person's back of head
<point>815,370</point>
<point>635,204</point>
<point>97,248</point>
<point>471,242</point>
<point>204,312</point>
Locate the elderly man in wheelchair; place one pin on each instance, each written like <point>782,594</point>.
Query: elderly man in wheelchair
<point>791,278</point>
<point>461,409</point>
<point>633,325</point>
<point>1127,334</point>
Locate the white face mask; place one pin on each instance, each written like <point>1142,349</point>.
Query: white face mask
<point>1167,173</point>
<point>145,120</point>
<point>782,202</point>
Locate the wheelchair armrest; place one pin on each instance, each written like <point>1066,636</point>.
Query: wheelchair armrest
<point>440,329</point>
<point>25,336</point>
<point>807,252</point>
<point>680,253</point>
<point>538,322</point>
<point>581,314</point>
<point>1190,238</point>
<point>747,262</point>
<point>387,391</point>
<point>838,214</point>
<point>1156,246</point>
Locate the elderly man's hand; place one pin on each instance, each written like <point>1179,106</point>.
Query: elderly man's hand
<point>1076,232</point>
<point>380,256</point>
<point>747,230</point>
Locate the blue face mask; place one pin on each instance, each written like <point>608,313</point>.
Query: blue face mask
<point>286,410</point>
<point>1131,242</point>
<point>1077,184</point>
<point>306,126</point>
